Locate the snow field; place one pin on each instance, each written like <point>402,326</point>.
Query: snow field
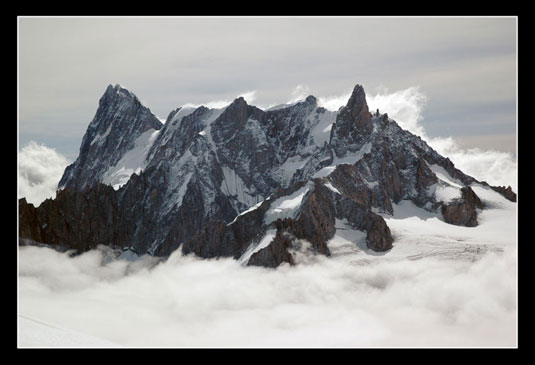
<point>133,161</point>
<point>286,206</point>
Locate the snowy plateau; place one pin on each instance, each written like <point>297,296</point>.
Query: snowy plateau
<point>294,226</point>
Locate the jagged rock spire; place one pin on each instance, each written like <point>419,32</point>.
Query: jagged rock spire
<point>353,124</point>
<point>357,108</point>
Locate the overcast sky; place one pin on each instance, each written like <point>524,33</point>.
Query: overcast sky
<point>466,68</point>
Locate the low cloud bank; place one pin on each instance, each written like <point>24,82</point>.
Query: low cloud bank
<point>191,302</point>
<point>40,169</point>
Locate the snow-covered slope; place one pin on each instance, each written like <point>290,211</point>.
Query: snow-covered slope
<point>419,233</point>
<point>133,161</point>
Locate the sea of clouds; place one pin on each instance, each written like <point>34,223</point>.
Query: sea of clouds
<point>190,302</point>
<point>321,302</point>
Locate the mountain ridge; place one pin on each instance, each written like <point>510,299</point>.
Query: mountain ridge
<point>222,182</point>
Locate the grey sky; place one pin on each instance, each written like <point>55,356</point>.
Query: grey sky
<point>467,67</point>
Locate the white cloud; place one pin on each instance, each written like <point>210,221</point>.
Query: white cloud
<point>249,96</point>
<point>190,302</point>
<point>404,106</point>
<point>300,92</point>
<point>39,170</point>
<point>331,102</point>
<point>334,103</point>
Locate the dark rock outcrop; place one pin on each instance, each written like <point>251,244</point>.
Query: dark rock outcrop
<point>78,219</point>
<point>274,254</point>
<point>378,235</point>
<point>463,211</point>
<point>353,124</point>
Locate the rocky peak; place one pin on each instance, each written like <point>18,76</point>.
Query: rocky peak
<point>353,124</point>
<point>120,110</point>
<point>238,107</point>
<point>357,105</point>
<point>118,91</point>
<point>357,108</point>
<point>120,119</point>
<point>117,98</point>
<point>233,118</point>
<point>311,99</point>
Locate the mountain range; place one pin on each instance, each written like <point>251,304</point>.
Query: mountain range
<point>243,182</point>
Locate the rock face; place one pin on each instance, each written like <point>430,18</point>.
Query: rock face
<point>243,182</point>
<point>78,219</point>
<point>274,254</point>
<point>353,124</point>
